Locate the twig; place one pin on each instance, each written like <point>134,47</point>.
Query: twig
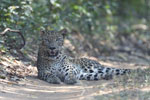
<point>16,31</point>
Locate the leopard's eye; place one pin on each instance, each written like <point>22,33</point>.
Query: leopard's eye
<point>46,41</point>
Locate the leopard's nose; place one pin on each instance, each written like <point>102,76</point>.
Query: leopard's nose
<point>52,48</point>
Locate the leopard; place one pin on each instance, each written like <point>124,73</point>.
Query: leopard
<point>55,67</point>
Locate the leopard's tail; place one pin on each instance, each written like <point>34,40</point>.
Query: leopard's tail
<point>102,73</point>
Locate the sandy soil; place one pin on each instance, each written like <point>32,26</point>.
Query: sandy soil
<point>34,89</point>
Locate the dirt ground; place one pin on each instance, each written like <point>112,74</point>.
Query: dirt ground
<point>35,89</point>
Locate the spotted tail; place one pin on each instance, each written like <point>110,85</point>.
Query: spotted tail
<point>102,73</point>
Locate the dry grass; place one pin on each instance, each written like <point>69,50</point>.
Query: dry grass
<point>135,86</point>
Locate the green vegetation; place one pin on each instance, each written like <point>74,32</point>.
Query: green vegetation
<point>105,18</point>
<point>85,16</point>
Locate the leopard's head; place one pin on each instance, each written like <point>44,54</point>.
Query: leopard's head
<point>52,42</point>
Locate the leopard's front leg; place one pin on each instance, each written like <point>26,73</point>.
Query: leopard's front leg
<point>70,75</point>
<point>49,77</point>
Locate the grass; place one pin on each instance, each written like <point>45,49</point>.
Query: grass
<point>134,86</point>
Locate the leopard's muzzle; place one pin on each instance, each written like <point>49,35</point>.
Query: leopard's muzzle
<point>53,52</point>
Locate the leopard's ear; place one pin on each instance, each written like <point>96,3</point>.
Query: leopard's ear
<point>63,32</point>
